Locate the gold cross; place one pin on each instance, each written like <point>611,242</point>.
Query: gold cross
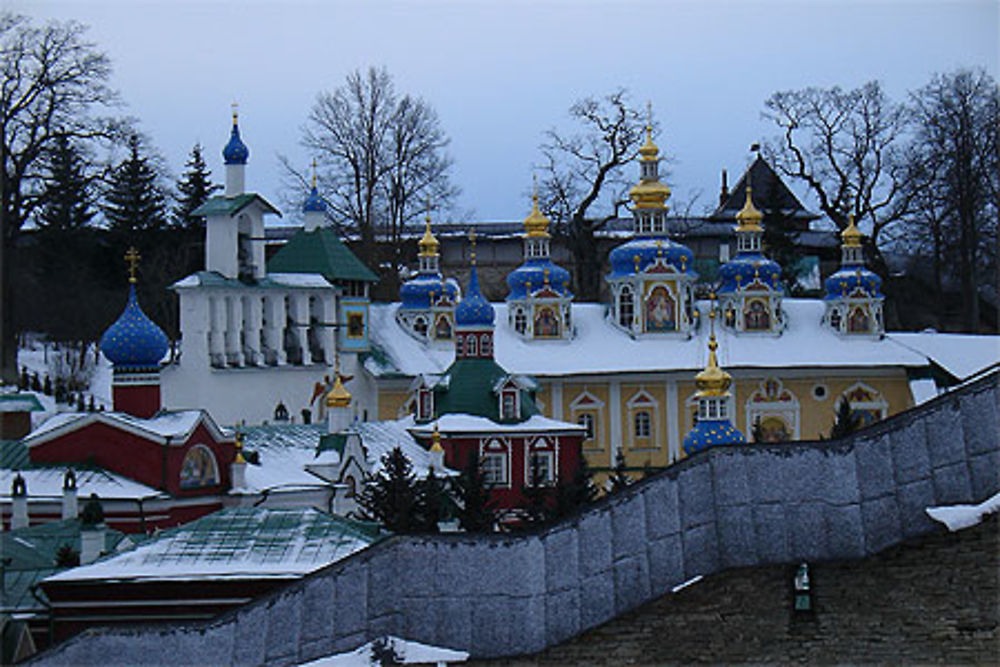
<point>314,172</point>
<point>235,111</point>
<point>132,257</point>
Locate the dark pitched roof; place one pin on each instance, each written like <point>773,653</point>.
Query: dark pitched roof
<point>467,387</point>
<point>320,251</point>
<point>233,205</point>
<point>770,195</point>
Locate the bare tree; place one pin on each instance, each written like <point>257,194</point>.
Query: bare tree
<point>955,169</point>
<point>581,168</point>
<point>381,156</point>
<point>846,146</point>
<point>54,82</point>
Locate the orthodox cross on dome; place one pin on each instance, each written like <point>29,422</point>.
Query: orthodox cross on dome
<point>649,115</point>
<point>472,242</point>
<point>132,256</point>
<point>314,173</point>
<point>236,107</point>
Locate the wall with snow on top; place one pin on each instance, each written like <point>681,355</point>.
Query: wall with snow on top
<point>503,595</point>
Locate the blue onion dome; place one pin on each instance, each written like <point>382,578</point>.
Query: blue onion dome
<point>711,432</point>
<point>235,152</point>
<point>420,292</point>
<point>134,340</point>
<point>636,255</point>
<point>314,203</point>
<point>474,310</point>
<point>746,269</point>
<point>538,274</point>
<point>850,279</point>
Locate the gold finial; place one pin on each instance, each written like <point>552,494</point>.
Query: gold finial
<point>536,224</point>
<point>749,217</point>
<point>545,277</point>
<point>338,396</point>
<point>428,244</point>
<point>472,242</point>
<point>236,114</point>
<point>649,117</point>
<point>851,236</point>
<point>239,449</point>
<point>314,173</point>
<point>648,151</point>
<point>712,381</point>
<point>436,440</point>
<point>132,257</point>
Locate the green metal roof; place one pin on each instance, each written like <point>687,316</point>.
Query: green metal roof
<point>17,586</point>
<point>36,547</point>
<point>20,402</point>
<point>233,205</point>
<point>334,441</point>
<point>14,455</point>
<point>467,388</point>
<point>320,251</point>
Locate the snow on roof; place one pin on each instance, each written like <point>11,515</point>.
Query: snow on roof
<point>380,438</point>
<point>962,355</point>
<point>48,483</point>
<point>408,652</point>
<point>173,424</point>
<point>20,402</point>
<point>284,451</point>
<point>599,347</point>
<point>299,279</point>
<point>957,517</point>
<point>458,423</point>
<point>923,390</point>
<point>236,543</point>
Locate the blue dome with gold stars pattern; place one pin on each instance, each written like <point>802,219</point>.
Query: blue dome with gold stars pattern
<point>314,202</point>
<point>420,292</point>
<point>636,255</point>
<point>134,340</point>
<point>474,310</point>
<point>747,268</point>
<point>235,152</point>
<point>709,432</point>
<point>534,274</point>
<point>849,279</point>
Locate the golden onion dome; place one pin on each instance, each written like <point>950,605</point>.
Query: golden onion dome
<point>712,381</point>
<point>649,194</point>
<point>239,449</point>
<point>649,151</point>
<point>338,397</point>
<point>851,236</point>
<point>536,224</point>
<point>428,244</point>
<point>749,217</point>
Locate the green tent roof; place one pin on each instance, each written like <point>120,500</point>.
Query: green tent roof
<point>20,402</point>
<point>467,388</point>
<point>320,251</point>
<point>233,205</point>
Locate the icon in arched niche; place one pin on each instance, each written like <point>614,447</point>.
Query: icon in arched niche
<point>442,330</point>
<point>546,323</point>
<point>661,313</point>
<point>198,469</point>
<point>774,429</point>
<point>756,316</point>
<point>859,322</point>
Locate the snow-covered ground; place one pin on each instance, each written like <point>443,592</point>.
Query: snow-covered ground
<point>39,356</point>
<point>957,517</point>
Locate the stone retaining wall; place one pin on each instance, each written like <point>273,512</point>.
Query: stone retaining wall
<point>500,595</point>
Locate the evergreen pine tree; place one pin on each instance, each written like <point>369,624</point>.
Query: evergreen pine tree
<point>67,556</point>
<point>846,423</point>
<point>432,496</point>
<point>577,493</point>
<point>66,194</point>
<point>134,201</point>
<point>392,496</point>
<point>540,507</point>
<point>194,188</point>
<point>472,495</point>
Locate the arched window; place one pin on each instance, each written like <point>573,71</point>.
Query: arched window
<point>520,321</point>
<point>471,348</point>
<point>459,346</point>
<point>859,322</point>
<point>756,317</point>
<point>420,326</point>
<point>626,307</point>
<point>495,461</point>
<point>587,421</point>
<point>835,318</point>
<point>442,330</point>
<point>280,412</point>
<point>485,345</point>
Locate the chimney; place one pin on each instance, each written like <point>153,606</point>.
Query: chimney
<point>91,531</point>
<point>19,491</point>
<point>724,194</point>
<point>70,506</point>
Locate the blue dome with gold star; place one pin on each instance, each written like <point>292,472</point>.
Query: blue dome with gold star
<point>747,268</point>
<point>314,202</point>
<point>474,310</point>
<point>534,275</point>
<point>235,152</point>
<point>637,255</point>
<point>710,432</point>
<point>850,279</point>
<point>134,341</point>
<point>420,292</point>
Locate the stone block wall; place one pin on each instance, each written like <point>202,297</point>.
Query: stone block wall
<point>501,595</point>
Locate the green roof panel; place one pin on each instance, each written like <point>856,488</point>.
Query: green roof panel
<point>233,205</point>
<point>320,251</point>
<point>467,388</point>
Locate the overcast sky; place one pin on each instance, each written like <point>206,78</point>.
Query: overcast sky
<point>500,73</point>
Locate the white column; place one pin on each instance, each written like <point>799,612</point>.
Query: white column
<point>300,322</point>
<point>274,331</point>
<point>235,179</point>
<point>673,423</point>
<point>234,323</point>
<point>328,334</point>
<point>615,416</point>
<point>70,505</point>
<point>556,395</point>
<point>217,330</point>
<point>19,515</point>
<point>251,330</point>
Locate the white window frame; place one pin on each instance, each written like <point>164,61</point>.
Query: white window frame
<point>585,402</point>
<point>497,450</point>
